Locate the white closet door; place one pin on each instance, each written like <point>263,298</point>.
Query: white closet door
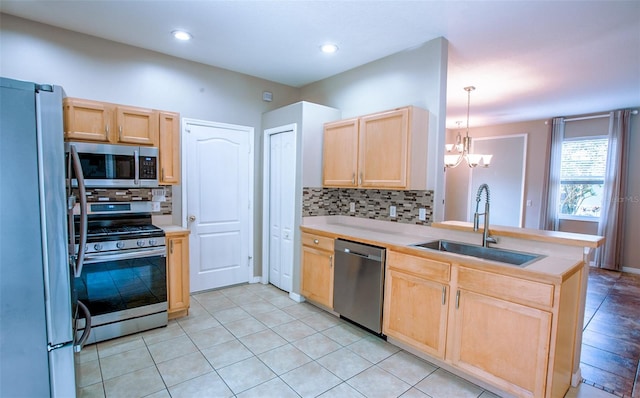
<point>282,173</point>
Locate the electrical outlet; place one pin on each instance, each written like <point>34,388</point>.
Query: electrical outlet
<point>422,214</point>
<point>529,203</point>
<point>352,207</point>
<point>392,211</point>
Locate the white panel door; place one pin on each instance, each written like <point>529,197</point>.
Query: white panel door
<point>282,173</point>
<point>218,205</point>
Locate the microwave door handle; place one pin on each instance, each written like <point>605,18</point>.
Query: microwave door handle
<point>136,157</point>
<point>82,193</point>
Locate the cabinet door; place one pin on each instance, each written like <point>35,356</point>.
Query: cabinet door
<point>383,150</point>
<point>137,126</point>
<point>504,343</point>
<point>317,276</point>
<point>178,274</point>
<point>415,312</point>
<point>169,148</point>
<point>86,120</point>
<point>340,154</point>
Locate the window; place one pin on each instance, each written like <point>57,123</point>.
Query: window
<point>582,173</point>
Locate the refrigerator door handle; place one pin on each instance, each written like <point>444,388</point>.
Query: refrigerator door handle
<point>82,193</point>
<point>77,346</point>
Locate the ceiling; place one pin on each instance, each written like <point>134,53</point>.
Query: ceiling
<point>527,59</point>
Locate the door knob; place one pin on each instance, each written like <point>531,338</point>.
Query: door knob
<point>192,218</point>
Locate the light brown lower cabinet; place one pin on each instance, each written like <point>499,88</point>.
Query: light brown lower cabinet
<point>416,302</point>
<point>177,273</point>
<point>514,333</point>
<point>317,269</point>
<point>502,342</point>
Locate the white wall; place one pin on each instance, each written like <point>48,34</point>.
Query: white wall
<point>93,68</point>
<point>416,77</point>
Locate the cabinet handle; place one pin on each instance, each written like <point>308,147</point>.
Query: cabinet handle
<point>353,178</point>
<point>444,295</point>
<point>458,299</point>
<point>120,131</point>
<point>316,241</point>
<point>360,179</point>
<point>171,246</point>
<point>330,261</point>
<point>162,173</point>
<point>106,129</point>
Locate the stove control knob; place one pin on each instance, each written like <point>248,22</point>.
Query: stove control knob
<point>97,247</point>
<point>140,243</point>
<point>120,245</point>
<point>153,242</point>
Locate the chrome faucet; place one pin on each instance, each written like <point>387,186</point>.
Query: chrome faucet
<point>486,239</point>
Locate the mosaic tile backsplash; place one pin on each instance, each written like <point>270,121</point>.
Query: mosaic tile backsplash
<point>369,203</point>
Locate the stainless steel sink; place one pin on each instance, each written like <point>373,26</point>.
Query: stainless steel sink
<point>487,253</point>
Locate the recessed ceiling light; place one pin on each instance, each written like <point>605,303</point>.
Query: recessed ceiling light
<point>329,48</point>
<point>181,35</point>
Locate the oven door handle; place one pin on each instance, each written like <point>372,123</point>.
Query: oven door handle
<point>138,253</point>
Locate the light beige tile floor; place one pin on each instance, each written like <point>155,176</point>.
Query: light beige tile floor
<point>253,341</point>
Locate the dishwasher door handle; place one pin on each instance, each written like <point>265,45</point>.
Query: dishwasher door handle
<point>368,256</point>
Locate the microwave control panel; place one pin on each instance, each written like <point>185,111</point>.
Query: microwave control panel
<point>148,168</point>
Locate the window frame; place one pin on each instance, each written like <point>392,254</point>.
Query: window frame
<point>574,217</point>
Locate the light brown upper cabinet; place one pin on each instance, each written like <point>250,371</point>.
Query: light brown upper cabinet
<point>340,153</point>
<point>169,148</point>
<point>95,121</point>
<point>383,150</point>
<point>86,120</point>
<point>136,126</point>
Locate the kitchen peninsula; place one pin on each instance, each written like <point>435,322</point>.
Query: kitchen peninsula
<point>514,329</point>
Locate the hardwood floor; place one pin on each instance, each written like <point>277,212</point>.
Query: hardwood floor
<point>611,341</point>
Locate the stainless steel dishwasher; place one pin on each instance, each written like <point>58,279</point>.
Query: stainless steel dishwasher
<point>358,283</point>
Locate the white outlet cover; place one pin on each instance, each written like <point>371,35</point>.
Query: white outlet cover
<point>392,211</point>
<point>352,207</point>
<point>422,214</point>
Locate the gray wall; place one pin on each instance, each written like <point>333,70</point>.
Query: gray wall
<point>93,68</point>
<point>413,77</point>
<point>537,159</point>
<point>457,179</point>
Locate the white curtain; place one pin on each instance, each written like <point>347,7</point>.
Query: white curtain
<point>551,207</point>
<point>611,223</point>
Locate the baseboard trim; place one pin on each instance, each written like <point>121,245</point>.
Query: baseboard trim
<point>631,270</point>
<point>576,378</point>
<point>296,297</point>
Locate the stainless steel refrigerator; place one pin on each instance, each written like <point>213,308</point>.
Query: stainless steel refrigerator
<point>36,310</point>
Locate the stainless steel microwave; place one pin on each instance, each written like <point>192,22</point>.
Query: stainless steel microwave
<point>115,166</point>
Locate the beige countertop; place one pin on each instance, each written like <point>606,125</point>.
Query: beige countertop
<point>561,259</point>
<point>173,228</point>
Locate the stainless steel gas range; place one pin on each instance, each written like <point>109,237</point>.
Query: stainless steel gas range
<point>123,281</point>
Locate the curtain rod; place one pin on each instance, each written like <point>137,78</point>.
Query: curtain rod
<point>575,119</point>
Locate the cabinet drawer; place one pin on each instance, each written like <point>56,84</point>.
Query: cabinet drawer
<point>419,266</point>
<point>506,287</point>
<point>317,241</point>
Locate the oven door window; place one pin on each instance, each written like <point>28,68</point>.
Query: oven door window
<point>112,286</point>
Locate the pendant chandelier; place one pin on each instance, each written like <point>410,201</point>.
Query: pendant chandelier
<point>462,147</point>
